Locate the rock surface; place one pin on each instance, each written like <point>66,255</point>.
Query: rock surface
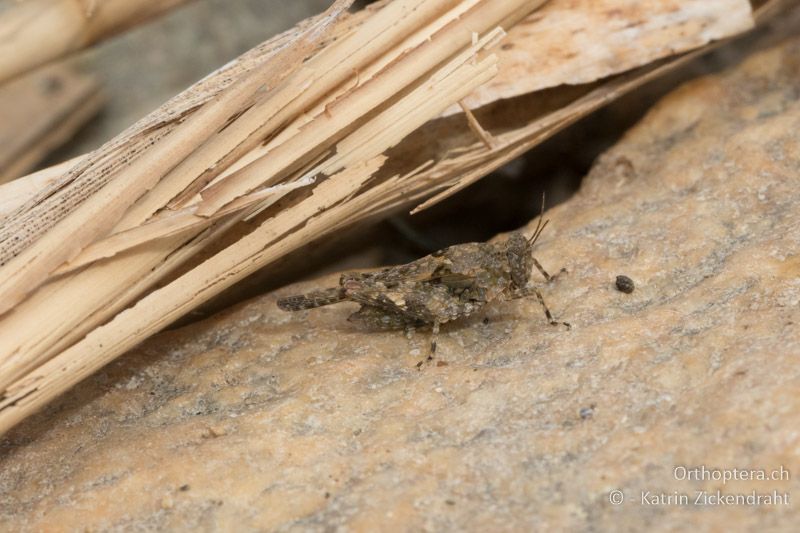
<point>259,419</point>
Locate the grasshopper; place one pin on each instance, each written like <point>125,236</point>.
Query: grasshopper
<point>452,283</point>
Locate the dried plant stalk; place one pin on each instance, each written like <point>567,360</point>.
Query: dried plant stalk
<point>114,284</point>
<point>15,194</point>
<point>317,78</point>
<point>35,32</point>
<point>35,344</point>
<point>173,223</point>
<point>95,215</point>
<point>38,346</point>
<point>47,362</point>
<point>582,41</point>
<point>516,57</point>
<point>27,220</point>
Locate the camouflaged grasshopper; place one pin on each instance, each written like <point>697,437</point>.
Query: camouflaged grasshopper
<point>447,285</point>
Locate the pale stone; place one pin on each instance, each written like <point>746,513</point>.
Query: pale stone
<point>260,419</point>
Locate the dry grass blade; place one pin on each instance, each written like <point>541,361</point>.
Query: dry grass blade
<point>174,223</point>
<point>316,78</point>
<point>17,193</point>
<point>358,102</point>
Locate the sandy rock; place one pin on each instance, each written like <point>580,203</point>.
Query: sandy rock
<point>260,419</point>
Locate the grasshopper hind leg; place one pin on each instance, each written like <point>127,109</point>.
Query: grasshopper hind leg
<point>379,318</point>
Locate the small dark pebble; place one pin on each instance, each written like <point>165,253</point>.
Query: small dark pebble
<point>449,502</point>
<point>587,412</point>
<point>625,284</point>
<point>486,320</point>
<point>184,488</point>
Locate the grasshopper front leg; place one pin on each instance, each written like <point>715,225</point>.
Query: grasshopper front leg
<point>528,291</point>
<point>434,340</point>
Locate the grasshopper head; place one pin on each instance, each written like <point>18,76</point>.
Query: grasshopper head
<point>519,252</point>
<point>520,259</point>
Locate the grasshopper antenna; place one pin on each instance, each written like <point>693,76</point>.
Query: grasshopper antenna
<point>539,225</point>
